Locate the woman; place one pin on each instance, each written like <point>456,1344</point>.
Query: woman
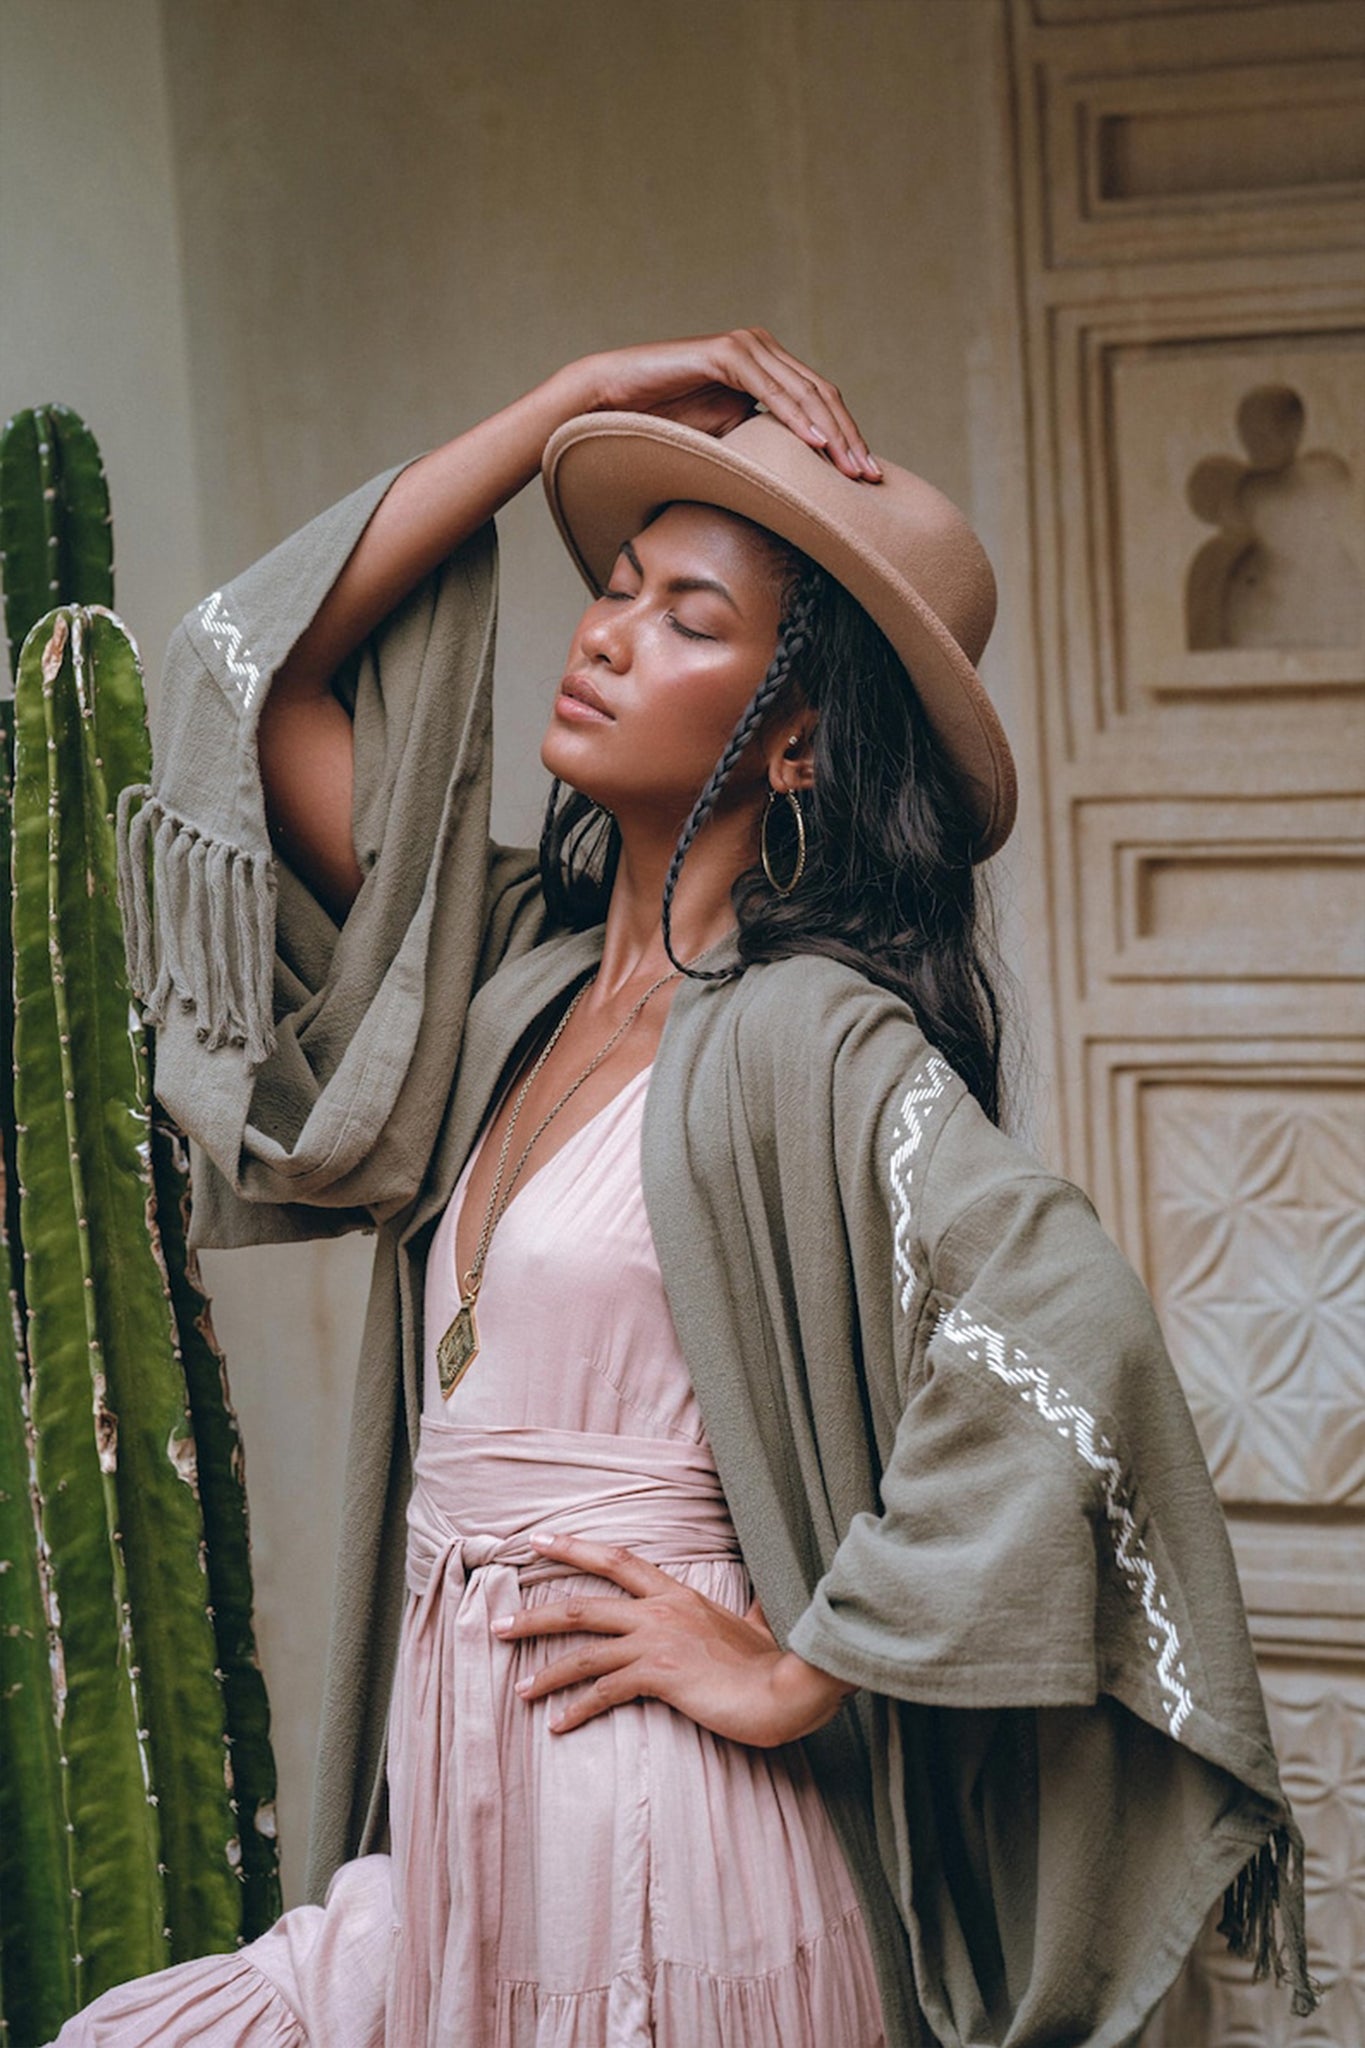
<point>818,1626</point>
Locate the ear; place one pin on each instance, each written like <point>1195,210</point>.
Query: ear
<point>790,758</point>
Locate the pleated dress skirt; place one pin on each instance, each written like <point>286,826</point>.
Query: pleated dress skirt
<point>636,1882</point>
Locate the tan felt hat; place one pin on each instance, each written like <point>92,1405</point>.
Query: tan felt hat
<point>900,547</point>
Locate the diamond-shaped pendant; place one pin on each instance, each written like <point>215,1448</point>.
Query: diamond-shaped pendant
<point>458,1349</point>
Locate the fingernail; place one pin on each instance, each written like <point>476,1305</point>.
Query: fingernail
<point>522,1686</point>
<point>540,1537</point>
<point>503,1625</point>
<point>872,466</point>
<point>557,1727</point>
<point>821,440</point>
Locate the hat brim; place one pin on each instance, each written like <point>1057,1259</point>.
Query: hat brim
<point>606,474</point>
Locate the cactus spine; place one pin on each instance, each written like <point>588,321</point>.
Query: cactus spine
<point>136,1778</point>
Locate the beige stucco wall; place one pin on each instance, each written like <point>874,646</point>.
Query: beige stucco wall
<point>275,249</point>
<point>396,217</point>
<point>91,299</point>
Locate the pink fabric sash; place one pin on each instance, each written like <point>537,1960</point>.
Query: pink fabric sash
<point>483,1492</point>
<point>478,1495</point>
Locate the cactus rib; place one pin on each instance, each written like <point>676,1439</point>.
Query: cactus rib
<point>222,1489</point>
<point>35,1881</point>
<point>142,1418</point>
<point>112,1835</point>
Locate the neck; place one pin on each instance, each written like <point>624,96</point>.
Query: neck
<point>702,911</point>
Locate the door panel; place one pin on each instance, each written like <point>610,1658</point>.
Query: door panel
<point>1191,185</point>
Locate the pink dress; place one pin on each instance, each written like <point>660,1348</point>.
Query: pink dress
<point>634,1881</point>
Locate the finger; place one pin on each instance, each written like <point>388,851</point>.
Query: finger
<point>823,403</point>
<point>593,1615</point>
<point>823,393</point>
<point>612,1689</point>
<point>788,390</point>
<point>604,1560</point>
<point>590,1661</point>
<point>788,394</point>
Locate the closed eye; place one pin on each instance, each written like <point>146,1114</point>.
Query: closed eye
<point>688,632</point>
<point>670,618</point>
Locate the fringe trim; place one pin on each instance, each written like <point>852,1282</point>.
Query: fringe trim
<point>198,925</point>
<point>1263,1916</point>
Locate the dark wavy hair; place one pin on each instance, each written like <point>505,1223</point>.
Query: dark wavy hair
<point>888,888</point>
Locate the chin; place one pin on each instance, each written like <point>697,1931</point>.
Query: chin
<point>560,762</point>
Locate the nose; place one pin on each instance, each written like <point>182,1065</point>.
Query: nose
<point>603,631</point>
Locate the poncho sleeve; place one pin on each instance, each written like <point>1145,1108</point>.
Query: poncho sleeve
<point>1045,1601</point>
<point>311,1062</point>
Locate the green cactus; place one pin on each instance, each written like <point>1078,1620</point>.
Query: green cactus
<point>134,1726</point>
<point>116,1914</point>
<point>34,1877</point>
<point>222,1493</point>
<point>56,540</point>
<point>35,1881</point>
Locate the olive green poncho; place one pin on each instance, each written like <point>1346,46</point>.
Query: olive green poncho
<point>961,1469</point>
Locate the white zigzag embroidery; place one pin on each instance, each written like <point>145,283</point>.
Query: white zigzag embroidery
<point>1077,1426</point>
<point>914,1109</point>
<point>228,639</point>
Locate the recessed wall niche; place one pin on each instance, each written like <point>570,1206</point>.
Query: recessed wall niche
<point>1257,894</point>
<point>1197,155</point>
<point>1278,570</point>
<point>1235,472</point>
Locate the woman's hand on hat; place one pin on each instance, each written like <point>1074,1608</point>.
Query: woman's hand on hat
<point>712,382</point>
<point>668,1642</point>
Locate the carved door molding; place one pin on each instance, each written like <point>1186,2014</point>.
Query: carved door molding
<point>1191,187</point>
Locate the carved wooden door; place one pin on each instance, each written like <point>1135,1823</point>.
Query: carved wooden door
<point>1190,183</point>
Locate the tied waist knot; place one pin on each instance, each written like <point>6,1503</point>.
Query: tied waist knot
<point>437,1551</point>
<point>477,1551</point>
<point>479,1494</point>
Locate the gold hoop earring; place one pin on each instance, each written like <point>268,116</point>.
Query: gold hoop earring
<point>784,889</point>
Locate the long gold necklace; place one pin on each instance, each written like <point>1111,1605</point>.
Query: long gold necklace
<point>459,1347</point>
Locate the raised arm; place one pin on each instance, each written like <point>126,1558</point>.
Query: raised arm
<point>305,736</point>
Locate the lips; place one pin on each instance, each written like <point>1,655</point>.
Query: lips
<point>581,691</point>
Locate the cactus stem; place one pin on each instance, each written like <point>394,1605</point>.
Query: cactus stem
<point>189,1875</point>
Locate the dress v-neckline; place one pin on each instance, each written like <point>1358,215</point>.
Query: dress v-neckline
<point>529,1179</point>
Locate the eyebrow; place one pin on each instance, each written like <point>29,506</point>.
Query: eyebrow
<point>679,584</point>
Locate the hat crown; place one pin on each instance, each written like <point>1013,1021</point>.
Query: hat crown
<point>904,521</point>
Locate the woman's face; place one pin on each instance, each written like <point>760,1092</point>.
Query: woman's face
<point>664,662</point>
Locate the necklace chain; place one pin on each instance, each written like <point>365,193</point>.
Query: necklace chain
<point>458,1347</point>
